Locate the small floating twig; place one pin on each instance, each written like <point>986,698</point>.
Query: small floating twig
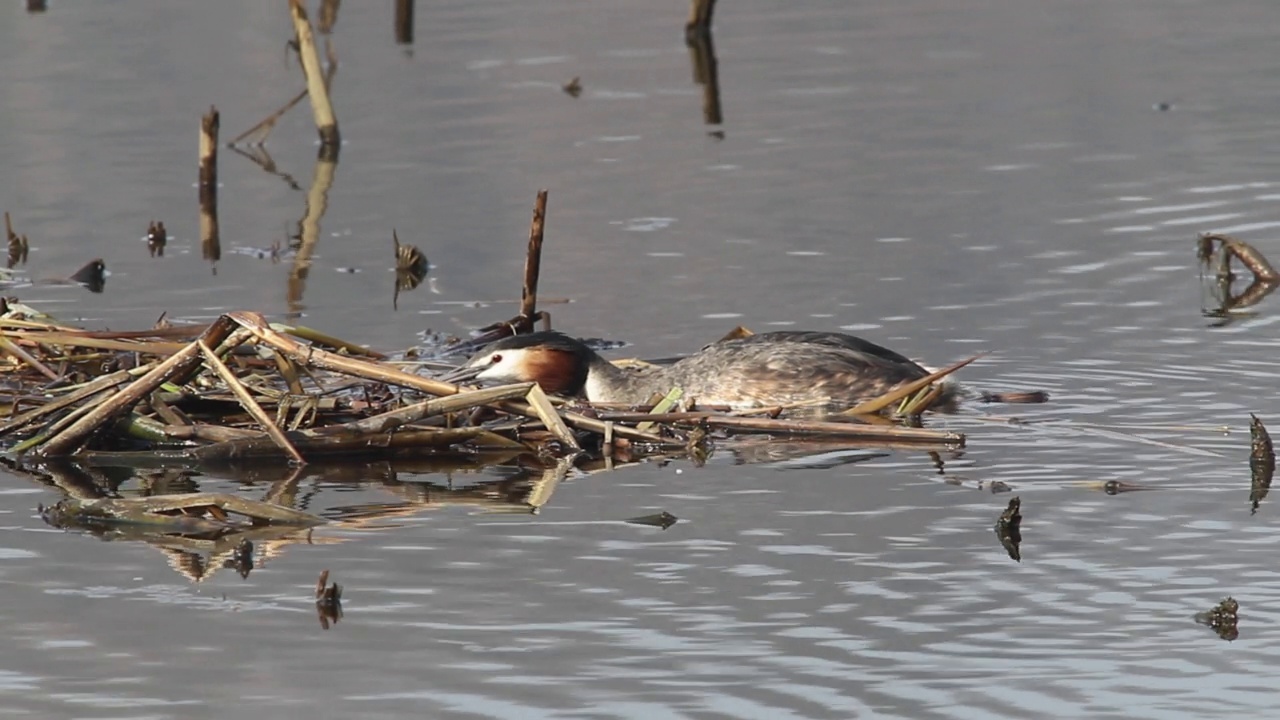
<point>1009,528</point>
<point>1223,618</point>
<point>1262,462</point>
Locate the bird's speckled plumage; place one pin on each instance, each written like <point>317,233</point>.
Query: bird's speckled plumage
<point>775,368</point>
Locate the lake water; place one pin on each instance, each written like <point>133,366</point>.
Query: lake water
<point>1020,177</point>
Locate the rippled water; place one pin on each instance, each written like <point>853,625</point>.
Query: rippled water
<point>1025,178</point>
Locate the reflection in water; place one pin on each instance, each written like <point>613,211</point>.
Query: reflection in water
<point>702,55</point>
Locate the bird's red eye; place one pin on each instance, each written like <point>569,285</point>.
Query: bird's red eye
<point>495,359</point>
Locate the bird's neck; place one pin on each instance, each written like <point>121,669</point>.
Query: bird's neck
<point>609,383</point>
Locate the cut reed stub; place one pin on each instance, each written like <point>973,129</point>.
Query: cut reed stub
<point>328,601</point>
<point>157,238</point>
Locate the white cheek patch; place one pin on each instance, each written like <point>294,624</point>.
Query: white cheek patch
<point>505,369</point>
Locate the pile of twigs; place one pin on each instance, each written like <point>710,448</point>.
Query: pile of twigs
<point>242,388</point>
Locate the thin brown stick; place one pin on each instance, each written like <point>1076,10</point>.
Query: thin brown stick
<point>248,403</point>
<point>267,124</point>
<point>533,261</point>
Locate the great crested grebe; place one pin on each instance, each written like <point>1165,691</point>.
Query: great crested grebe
<point>770,369</point>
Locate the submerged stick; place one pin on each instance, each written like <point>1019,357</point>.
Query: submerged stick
<point>321,107</point>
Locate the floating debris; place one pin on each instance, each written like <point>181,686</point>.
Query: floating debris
<point>18,245</point>
<point>1262,462</point>
<point>93,275</point>
<point>1229,248</point>
<point>241,559</point>
<point>662,520</point>
<point>1223,618</point>
<point>411,268</point>
<point>408,258</point>
<point>328,601</point>
<point>157,238</point>
<point>1009,528</point>
<point>1215,252</point>
<point>573,88</point>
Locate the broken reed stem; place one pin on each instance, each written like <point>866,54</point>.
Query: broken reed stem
<point>210,243</point>
<point>321,107</point>
<point>248,403</point>
<point>209,152</point>
<point>699,17</point>
<point>533,261</point>
<point>404,22</point>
